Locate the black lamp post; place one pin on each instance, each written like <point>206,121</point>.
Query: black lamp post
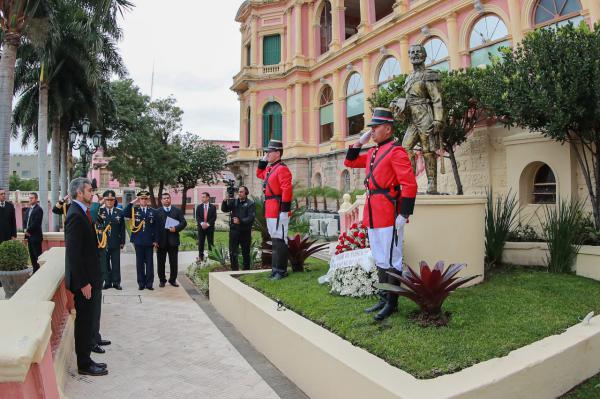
<point>79,141</point>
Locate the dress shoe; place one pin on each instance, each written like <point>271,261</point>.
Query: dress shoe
<point>117,286</point>
<point>277,276</point>
<point>104,342</point>
<point>162,284</point>
<point>150,288</point>
<point>100,365</point>
<point>140,288</point>
<point>107,286</point>
<point>98,349</point>
<point>174,283</point>
<point>92,370</point>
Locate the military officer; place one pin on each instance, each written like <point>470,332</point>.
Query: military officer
<point>277,189</point>
<point>391,190</point>
<point>110,227</point>
<point>143,225</point>
<point>424,111</point>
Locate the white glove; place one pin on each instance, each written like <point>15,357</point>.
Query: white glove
<point>264,158</point>
<point>365,137</point>
<point>283,216</point>
<point>400,222</point>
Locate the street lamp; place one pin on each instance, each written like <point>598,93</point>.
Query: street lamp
<point>79,141</point>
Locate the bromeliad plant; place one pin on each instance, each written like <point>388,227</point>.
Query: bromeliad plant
<point>428,290</point>
<point>300,248</point>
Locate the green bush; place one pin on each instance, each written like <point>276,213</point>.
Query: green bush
<point>13,256</point>
<point>561,229</point>
<point>500,219</point>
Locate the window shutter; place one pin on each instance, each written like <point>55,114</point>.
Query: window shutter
<point>277,127</point>
<point>271,50</point>
<point>266,130</point>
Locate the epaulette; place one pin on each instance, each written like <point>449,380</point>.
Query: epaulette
<point>432,75</point>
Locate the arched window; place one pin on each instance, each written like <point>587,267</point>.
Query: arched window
<point>351,17</point>
<point>326,114</point>
<point>544,186</point>
<point>390,68</point>
<point>317,180</point>
<point>488,34</point>
<point>557,12</point>
<point>248,127</point>
<point>271,122</point>
<point>325,28</point>
<point>437,54</point>
<point>355,104</point>
<point>345,181</point>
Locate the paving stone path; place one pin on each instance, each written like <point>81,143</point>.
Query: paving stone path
<point>166,346</point>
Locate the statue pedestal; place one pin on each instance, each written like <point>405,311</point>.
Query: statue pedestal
<point>449,228</point>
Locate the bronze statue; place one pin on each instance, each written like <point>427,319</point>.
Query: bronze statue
<point>423,109</point>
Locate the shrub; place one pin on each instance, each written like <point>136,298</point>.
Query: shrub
<point>300,249</point>
<point>219,254</point>
<point>561,229</point>
<point>500,218</point>
<point>428,290</point>
<point>191,230</point>
<point>590,235</point>
<point>13,256</point>
<point>523,233</point>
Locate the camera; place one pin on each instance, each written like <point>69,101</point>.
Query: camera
<point>231,188</point>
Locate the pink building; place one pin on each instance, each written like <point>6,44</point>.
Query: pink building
<point>125,193</point>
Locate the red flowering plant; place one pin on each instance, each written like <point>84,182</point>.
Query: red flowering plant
<point>355,238</point>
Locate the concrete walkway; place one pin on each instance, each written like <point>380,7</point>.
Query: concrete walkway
<point>165,346</point>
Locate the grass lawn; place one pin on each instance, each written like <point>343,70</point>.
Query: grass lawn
<point>514,308</point>
<point>588,390</point>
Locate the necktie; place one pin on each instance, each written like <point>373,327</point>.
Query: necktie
<point>88,214</point>
<point>110,212</point>
<point>2,204</point>
<point>205,213</point>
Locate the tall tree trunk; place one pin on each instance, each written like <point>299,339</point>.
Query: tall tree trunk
<point>7,84</point>
<point>152,197</point>
<point>184,199</point>
<point>459,186</point>
<point>64,170</point>
<point>161,187</point>
<point>55,170</point>
<point>43,151</point>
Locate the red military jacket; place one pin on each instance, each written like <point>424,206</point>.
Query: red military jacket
<point>277,187</point>
<point>392,178</point>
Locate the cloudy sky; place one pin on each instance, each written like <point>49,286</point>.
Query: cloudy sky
<point>194,46</point>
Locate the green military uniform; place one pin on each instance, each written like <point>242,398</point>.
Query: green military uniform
<point>110,227</point>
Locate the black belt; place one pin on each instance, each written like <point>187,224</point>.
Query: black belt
<point>383,190</point>
<point>270,197</point>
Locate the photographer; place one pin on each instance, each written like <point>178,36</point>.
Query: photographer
<point>241,219</point>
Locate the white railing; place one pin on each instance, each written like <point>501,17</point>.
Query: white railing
<point>351,213</point>
<point>270,69</point>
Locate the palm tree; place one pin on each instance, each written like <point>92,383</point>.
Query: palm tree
<point>332,193</point>
<point>74,57</point>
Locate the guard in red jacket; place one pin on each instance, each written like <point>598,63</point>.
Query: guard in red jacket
<point>277,189</point>
<point>391,190</point>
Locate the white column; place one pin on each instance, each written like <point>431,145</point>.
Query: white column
<point>452,26</point>
<point>514,12</point>
<point>254,112</point>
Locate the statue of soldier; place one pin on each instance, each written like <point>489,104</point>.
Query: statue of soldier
<point>423,109</point>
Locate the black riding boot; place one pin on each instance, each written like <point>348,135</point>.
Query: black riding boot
<point>382,276</point>
<point>280,259</point>
<point>390,307</point>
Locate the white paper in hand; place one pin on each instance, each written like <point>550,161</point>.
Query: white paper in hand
<point>170,222</point>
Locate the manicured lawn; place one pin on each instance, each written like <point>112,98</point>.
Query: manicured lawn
<point>588,390</point>
<point>513,309</point>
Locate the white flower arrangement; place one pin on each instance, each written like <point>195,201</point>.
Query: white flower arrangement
<point>354,281</point>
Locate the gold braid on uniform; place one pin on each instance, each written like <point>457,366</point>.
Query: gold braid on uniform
<point>134,228</point>
<point>104,240</point>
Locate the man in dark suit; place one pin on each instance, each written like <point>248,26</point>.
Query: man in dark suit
<point>8,221</point>
<point>243,213</point>
<point>82,272</point>
<point>33,230</point>
<point>143,237</point>
<point>206,216</point>
<point>168,239</point>
<point>110,227</point>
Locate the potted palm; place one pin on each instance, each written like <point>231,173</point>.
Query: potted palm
<point>14,270</point>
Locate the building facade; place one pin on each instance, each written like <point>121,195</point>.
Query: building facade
<point>308,67</point>
<point>25,166</point>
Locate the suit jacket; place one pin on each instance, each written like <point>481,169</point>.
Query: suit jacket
<point>116,235</point>
<point>211,216</point>
<point>82,263</point>
<point>8,222</point>
<point>165,237</point>
<point>146,237</point>
<point>33,223</point>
